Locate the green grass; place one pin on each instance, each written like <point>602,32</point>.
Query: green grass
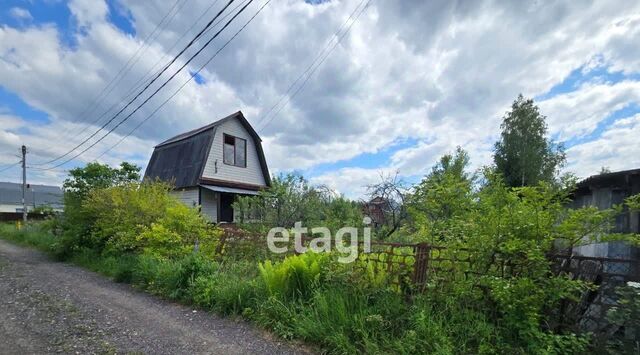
<point>338,312</point>
<point>32,234</point>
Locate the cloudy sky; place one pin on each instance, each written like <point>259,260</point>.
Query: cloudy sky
<point>407,83</point>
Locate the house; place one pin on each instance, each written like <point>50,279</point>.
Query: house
<point>604,191</point>
<point>376,209</point>
<point>35,196</point>
<point>212,165</point>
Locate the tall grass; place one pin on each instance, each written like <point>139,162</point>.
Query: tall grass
<point>35,235</point>
<point>305,297</point>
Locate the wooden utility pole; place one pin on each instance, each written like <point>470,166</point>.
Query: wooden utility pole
<point>24,183</point>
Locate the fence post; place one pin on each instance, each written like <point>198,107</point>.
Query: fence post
<point>421,253</point>
<point>221,242</point>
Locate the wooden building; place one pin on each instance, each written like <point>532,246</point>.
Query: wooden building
<point>210,166</point>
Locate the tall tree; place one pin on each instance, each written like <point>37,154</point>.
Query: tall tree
<point>524,155</point>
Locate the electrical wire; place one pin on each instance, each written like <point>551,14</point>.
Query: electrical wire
<point>149,84</point>
<point>158,89</point>
<point>126,68</point>
<point>312,71</point>
<point>182,86</point>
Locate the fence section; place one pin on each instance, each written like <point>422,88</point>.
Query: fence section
<point>412,267</point>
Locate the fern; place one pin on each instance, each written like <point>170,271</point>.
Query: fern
<point>295,276</point>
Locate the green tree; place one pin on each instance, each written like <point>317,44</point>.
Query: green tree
<point>443,196</point>
<point>81,180</point>
<point>291,199</point>
<point>524,155</point>
<point>77,222</point>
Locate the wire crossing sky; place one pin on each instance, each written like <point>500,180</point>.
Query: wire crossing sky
<point>408,82</point>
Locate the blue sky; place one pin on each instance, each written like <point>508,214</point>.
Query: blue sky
<point>389,97</point>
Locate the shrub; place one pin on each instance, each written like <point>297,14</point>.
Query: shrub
<point>177,233</point>
<point>121,213</point>
<point>232,289</point>
<point>295,276</point>
<point>135,218</point>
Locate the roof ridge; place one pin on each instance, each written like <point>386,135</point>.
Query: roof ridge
<point>193,132</point>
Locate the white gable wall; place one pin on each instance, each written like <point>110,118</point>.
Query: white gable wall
<point>252,174</point>
<point>188,196</point>
<point>210,205</point>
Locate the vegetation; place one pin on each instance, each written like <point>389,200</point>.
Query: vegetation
<point>291,199</point>
<point>523,155</point>
<point>501,295</point>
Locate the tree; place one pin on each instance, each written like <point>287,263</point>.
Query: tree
<point>444,195</point>
<point>292,199</point>
<point>81,180</point>
<point>523,154</point>
<point>392,192</point>
<point>604,170</point>
<point>77,188</point>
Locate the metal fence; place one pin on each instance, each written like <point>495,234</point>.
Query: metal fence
<point>414,266</point>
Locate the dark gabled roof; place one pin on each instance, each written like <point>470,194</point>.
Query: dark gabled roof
<point>181,159</point>
<point>607,179</point>
<point>11,194</point>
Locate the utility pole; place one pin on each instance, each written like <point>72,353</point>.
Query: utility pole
<point>24,183</point>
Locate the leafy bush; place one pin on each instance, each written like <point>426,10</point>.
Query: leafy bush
<point>291,199</point>
<point>135,218</point>
<point>178,232</point>
<point>293,277</point>
<point>626,316</point>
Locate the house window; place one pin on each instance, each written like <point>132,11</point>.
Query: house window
<point>235,151</point>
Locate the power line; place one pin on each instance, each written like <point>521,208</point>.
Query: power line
<point>159,88</point>
<point>150,83</point>
<point>312,71</point>
<point>146,77</point>
<point>182,86</point>
<point>9,166</point>
<point>104,93</point>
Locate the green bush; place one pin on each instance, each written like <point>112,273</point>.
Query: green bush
<point>135,218</point>
<point>293,277</point>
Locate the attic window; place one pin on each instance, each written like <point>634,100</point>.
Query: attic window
<point>235,151</point>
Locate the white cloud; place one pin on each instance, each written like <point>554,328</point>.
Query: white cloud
<point>578,113</point>
<point>351,182</point>
<point>20,14</point>
<point>617,148</point>
<point>440,73</point>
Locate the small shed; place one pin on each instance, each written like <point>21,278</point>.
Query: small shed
<point>604,191</point>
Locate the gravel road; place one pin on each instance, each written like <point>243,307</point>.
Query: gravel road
<point>51,307</point>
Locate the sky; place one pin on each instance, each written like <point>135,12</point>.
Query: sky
<point>408,82</point>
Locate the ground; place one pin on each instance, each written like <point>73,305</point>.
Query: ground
<point>51,307</point>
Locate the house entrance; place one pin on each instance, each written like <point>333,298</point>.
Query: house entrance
<point>226,210</point>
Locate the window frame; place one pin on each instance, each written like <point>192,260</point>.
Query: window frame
<point>224,139</point>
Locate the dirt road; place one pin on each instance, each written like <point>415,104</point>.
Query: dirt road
<point>51,307</point>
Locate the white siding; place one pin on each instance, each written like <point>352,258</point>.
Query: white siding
<point>210,205</point>
<point>188,196</point>
<point>252,174</point>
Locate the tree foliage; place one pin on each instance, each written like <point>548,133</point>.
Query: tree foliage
<point>94,175</point>
<point>444,195</point>
<point>524,155</point>
<point>291,199</point>
<point>108,210</point>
